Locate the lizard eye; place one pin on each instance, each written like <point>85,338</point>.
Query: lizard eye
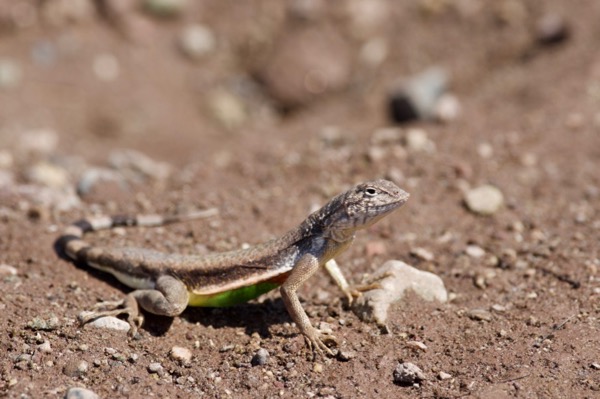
<point>371,192</point>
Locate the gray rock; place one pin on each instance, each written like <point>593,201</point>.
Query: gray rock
<point>80,393</point>
<point>76,368</point>
<point>408,374</point>
<point>395,278</point>
<point>91,177</point>
<point>196,41</point>
<point>484,200</point>
<point>260,358</point>
<point>418,97</point>
<point>111,323</point>
<point>155,367</point>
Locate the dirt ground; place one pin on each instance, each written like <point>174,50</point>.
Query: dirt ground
<point>224,126</point>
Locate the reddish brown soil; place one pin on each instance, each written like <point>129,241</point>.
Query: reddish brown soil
<point>536,106</point>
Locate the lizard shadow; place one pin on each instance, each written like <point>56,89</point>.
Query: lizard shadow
<point>254,317</point>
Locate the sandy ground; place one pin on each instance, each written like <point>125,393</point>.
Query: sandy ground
<point>227,125</point>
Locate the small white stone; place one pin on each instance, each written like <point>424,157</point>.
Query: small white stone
<point>7,270</point>
<point>180,354</point>
<point>422,253</point>
<point>484,200</point>
<point>48,174</point>
<point>81,393</point>
<point>197,41</point>
<point>485,150</point>
<point>417,140</point>
<point>416,345</point>
<point>447,108</point>
<point>38,142</point>
<point>111,323</point>
<point>475,251</point>
<point>6,159</point>
<point>106,67</point>
<point>444,376</point>
<point>155,367</point>
<point>10,74</point>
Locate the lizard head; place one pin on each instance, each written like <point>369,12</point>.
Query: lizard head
<point>361,207</point>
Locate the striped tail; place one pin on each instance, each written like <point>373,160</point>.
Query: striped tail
<point>71,242</point>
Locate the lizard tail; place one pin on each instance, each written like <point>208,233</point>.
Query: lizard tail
<point>71,242</point>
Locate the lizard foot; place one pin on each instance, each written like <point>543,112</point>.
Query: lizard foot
<point>127,306</point>
<point>356,291</point>
<point>315,340</point>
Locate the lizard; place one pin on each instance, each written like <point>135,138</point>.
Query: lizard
<point>165,284</point>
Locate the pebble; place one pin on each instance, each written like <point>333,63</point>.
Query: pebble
<point>10,74</point>
<point>6,159</point>
<point>374,52</point>
<point>80,393</point>
<point>551,29</point>
<point>396,277</point>
<point>416,140</point>
<point>475,251</point>
<point>165,8</point>
<point>447,108</point>
<point>408,374</point>
<point>318,368</point>
<point>48,174</point>
<point>39,142</point>
<point>479,315</point>
<point>91,177</point>
<point>138,166</point>
<point>444,376</point>
<point>76,368</point>
<point>418,97</point>
<point>260,358</point>
<point>346,355</point>
<point>180,354</point>
<point>484,200</point>
<point>111,323</point>
<point>7,270</point>
<point>422,253</point>
<point>196,41</point>
<point>305,64</point>
<point>227,108</point>
<point>106,67</point>
<point>416,345</point>
<point>595,366</point>
<point>45,347</point>
<point>155,367</point>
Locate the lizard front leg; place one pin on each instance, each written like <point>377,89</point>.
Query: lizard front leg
<point>168,298</point>
<point>304,269</point>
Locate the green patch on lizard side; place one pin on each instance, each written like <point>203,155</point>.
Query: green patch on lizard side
<point>232,297</point>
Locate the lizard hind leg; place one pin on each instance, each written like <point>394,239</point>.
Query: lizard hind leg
<point>168,298</point>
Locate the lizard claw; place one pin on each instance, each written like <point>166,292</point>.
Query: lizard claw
<point>316,339</point>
